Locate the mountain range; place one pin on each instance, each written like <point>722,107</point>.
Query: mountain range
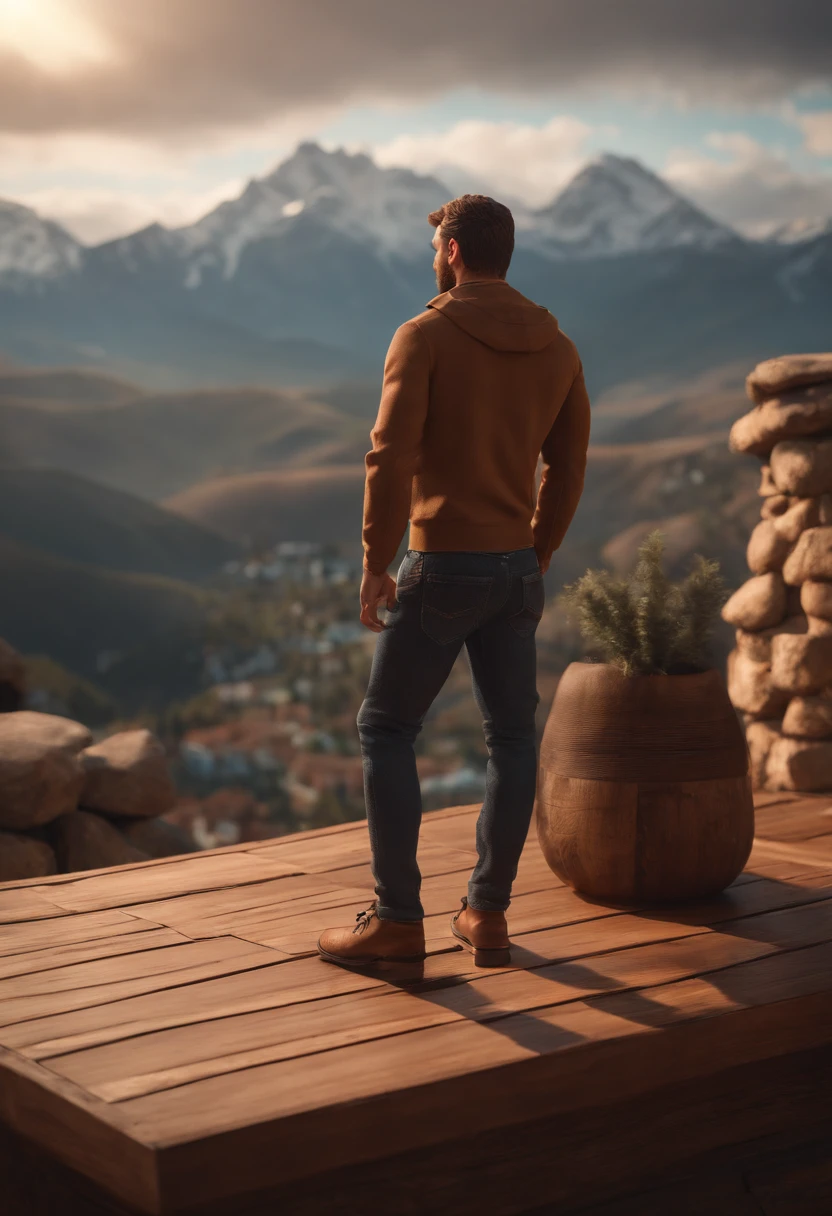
<point>302,279</point>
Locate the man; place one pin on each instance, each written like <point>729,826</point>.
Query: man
<point>475,389</point>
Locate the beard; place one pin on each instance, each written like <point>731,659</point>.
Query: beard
<point>445,277</point>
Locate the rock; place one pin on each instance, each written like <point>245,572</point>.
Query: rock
<point>808,718</point>
<point>751,689</point>
<point>799,764</point>
<point>778,504</point>
<point>127,774</point>
<point>801,662</point>
<point>24,857</point>
<point>40,770</point>
<point>811,557</point>
<point>758,603</point>
<point>84,841</point>
<point>802,467</point>
<point>756,645</point>
<point>767,489</point>
<point>12,679</point>
<point>816,599</point>
<point>157,837</point>
<point>804,514</point>
<point>774,376</point>
<point>800,412</point>
<point>760,737</point>
<point>767,549</point>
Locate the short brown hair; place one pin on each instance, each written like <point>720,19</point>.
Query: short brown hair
<point>483,229</point>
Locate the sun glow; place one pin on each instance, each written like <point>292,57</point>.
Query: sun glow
<point>53,35</point>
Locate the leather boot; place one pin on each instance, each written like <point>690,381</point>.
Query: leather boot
<point>374,940</point>
<point>485,934</point>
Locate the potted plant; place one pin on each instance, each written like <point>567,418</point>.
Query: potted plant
<point>644,791</point>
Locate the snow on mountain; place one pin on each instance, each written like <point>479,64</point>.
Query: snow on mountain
<point>614,205</point>
<point>796,232</point>
<point>32,247</point>
<point>346,192</point>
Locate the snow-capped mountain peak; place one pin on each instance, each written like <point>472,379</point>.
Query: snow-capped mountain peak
<point>344,191</point>
<point>32,247</point>
<point>616,205</point>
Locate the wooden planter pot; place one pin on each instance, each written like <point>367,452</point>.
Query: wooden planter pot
<point>644,792</point>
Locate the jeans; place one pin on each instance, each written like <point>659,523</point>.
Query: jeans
<point>491,603</point>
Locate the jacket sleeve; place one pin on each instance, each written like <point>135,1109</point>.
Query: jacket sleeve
<point>564,465</point>
<point>396,439</point>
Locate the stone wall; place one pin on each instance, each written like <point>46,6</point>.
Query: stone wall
<point>780,673</point>
<point>67,803</point>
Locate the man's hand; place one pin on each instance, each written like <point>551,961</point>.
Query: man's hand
<point>544,564</point>
<point>376,589</point>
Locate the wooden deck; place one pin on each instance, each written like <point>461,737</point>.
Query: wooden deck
<point>168,1042</point>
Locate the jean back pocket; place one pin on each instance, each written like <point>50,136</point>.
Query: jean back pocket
<point>452,605</point>
<point>526,620</point>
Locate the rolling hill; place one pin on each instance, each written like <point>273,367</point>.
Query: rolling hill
<point>67,517</point>
<point>157,445</point>
<point>262,509</point>
<point>86,618</point>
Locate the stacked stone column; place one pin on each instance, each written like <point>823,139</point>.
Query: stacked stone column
<point>780,673</point>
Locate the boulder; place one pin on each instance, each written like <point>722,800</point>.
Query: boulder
<point>800,412</point>
<point>24,857</point>
<point>760,737</point>
<point>805,513</point>
<point>756,645</point>
<point>808,718</point>
<point>768,488</point>
<point>811,557</point>
<point>775,376</point>
<point>758,603</point>
<point>12,679</point>
<point>127,774</point>
<point>767,548</point>
<point>802,467</point>
<point>751,688</point>
<point>799,764</point>
<point>157,837</point>
<point>778,504</point>
<point>40,769</point>
<point>801,662</point>
<point>816,599</point>
<point>84,841</point>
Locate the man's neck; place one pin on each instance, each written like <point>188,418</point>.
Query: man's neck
<point>477,278</point>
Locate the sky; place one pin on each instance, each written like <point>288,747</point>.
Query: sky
<point>117,113</point>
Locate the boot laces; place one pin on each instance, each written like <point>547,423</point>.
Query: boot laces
<point>363,919</point>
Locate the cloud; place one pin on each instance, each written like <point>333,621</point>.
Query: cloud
<point>163,67</point>
<point>753,187</point>
<point>96,215</point>
<point>512,159</point>
<point>817,131</point>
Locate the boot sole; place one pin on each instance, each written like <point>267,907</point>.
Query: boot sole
<point>379,963</point>
<point>497,956</point>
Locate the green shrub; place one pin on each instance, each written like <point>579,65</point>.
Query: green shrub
<point>645,624</point>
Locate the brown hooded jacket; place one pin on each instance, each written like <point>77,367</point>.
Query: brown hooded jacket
<point>475,389</point>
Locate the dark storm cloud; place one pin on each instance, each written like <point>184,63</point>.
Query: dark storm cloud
<point>190,64</point>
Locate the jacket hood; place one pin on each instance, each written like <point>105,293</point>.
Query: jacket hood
<point>498,316</point>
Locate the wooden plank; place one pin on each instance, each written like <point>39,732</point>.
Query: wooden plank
<point>78,1130</point>
<point>85,985</point>
<point>331,855</point>
<point>35,961</point>
<point>213,913</point>
<point>505,1076</point>
<point>25,905</point>
<point>146,883</point>
<point>67,930</point>
<point>815,853</point>
<point>174,1057</point>
<point>226,996</point>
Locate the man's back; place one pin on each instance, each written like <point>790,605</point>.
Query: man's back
<point>475,388</point>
